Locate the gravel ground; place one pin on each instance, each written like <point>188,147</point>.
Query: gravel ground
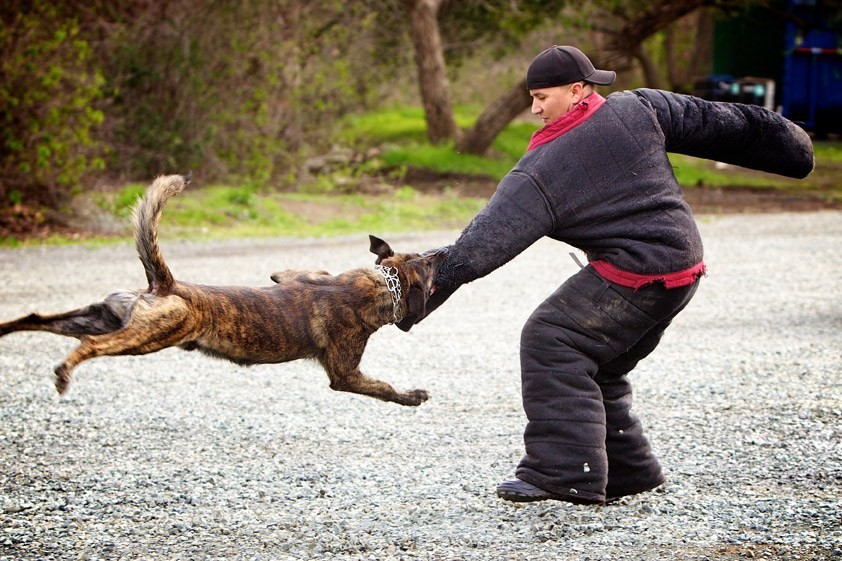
<point>179,456</point>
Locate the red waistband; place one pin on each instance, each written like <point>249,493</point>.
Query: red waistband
<point>635,280</point>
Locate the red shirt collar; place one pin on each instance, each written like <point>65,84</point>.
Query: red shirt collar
<point>580,113</point>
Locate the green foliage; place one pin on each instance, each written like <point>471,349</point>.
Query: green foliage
<point>470,24</point>
<point>121,202</point>
<point>48,119</point>
<point>402,131</point>
<point>693,172</point>
<point>220,211</point>
<point>235,92</point>
<point>828,153</point>
<point>514,139</point>
<point>241,92</point>
<point>443,159</point>
<point>127,198</point>
<point>397,124</point>
<point>823,181</point>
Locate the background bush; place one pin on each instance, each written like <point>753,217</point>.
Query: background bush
<point>115,91</point>
<point>49,117</point>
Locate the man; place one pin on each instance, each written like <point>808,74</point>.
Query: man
<point>597,177</point>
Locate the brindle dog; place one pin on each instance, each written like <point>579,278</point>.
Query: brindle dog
<point>304,315</point>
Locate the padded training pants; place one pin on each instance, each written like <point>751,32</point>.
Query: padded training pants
<point>582,440</point>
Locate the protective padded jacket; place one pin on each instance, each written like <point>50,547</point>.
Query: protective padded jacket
<point>607,186</point>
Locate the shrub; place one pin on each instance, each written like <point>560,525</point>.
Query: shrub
<point>48,87</point>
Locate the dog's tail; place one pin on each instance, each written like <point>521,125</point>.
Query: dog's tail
<point>145,218</point>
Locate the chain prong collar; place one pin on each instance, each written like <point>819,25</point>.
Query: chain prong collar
<point>393,283</point>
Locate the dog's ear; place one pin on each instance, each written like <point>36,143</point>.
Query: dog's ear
<point>380,248</point>
<point>435,258</point>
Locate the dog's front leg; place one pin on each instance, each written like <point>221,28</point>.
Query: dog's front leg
<point>345,376</point>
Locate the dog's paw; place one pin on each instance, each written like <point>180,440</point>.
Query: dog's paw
<point>62,378</point>
<point>414,398</point>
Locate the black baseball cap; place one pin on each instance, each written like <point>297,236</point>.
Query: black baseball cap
<point>558,66</point>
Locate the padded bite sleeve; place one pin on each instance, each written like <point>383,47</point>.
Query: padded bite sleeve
<point>744,135</point>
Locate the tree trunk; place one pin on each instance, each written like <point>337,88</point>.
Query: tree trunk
<point>494,119</point>
<point>621,44</point>
<point>674,74</point>
<point>626,39</point>
<point>683,68</point>
<point>700,60</point>
<point>432,75</point>
<point>650,69</point>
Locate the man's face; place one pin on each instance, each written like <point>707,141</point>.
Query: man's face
<point>551,103</point>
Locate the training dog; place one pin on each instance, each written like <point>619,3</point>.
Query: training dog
<point>304,315</point>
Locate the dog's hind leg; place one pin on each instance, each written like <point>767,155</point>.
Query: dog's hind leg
<point>345,376</point>
<point>96,319</point>
<point>146,332</point>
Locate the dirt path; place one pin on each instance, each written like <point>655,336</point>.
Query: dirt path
<point>175,455</point>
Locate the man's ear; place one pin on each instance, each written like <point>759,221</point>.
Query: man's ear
<point>380,248</point>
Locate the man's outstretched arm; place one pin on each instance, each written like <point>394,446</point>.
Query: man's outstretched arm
<point>744,135</point>
<point>516,216</point>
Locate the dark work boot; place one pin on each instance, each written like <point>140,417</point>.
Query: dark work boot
<point>519,491</point>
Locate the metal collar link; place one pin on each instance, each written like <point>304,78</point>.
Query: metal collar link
<point>393,283</point>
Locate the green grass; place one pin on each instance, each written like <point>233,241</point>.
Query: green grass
<point>222,211</point>
<point>219,211</point>
<point>824,182</point>
<point>442,159</point>
<point>694,172</point>
<point>403,133</point>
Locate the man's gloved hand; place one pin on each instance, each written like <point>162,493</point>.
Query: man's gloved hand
<point>442,288</point>
<point>437,297</point>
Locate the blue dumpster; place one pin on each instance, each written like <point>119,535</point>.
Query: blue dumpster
<point>812,80</point>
